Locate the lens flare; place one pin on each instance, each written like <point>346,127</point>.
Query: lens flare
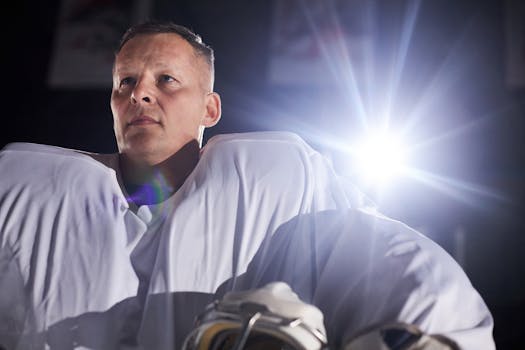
<point>380,157</point>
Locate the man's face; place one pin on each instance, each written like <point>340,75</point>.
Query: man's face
<point>161,98</point>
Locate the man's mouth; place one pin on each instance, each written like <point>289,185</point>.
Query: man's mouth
<point>142,120</point>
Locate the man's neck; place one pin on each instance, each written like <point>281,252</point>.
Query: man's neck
<point>153,183</point>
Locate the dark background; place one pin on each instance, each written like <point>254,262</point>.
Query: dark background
<point>460,41</point>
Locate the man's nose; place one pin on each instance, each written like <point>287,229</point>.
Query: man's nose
<point>142,93</point>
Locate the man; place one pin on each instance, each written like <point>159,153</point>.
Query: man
<point>123,251</point>
<point>162,100</point>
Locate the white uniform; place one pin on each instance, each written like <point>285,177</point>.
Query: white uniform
<point>80,270</point>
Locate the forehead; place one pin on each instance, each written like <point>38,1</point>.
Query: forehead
<point>158,49</point>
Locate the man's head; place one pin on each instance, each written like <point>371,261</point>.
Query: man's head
<point>162,95</point>
<point>202,50</point>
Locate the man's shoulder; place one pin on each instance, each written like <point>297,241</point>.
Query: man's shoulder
<point>262,144</point>
<point>257,153</point>
<point>27,151</point>
<point>258,138</point>
<point>43,171</point>
<point>36,148</point>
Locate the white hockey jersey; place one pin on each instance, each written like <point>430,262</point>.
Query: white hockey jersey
<point>79,269</point>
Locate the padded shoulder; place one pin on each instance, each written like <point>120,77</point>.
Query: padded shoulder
<point>264,136</point>
<point>43,172</point>
<point>38,148</point>
<point>287,156</point>
<point>258,140</point>
<point>26,151</point>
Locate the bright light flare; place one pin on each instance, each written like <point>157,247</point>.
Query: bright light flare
<point>380,157</point>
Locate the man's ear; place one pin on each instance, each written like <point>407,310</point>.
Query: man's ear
<point>213,110</point>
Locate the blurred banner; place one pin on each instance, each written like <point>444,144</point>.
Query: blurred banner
<point>515,43</point>
<point>86,36</point>
<point>319,42</point>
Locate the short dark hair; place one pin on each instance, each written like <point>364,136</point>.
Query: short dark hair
<point>158,27</point>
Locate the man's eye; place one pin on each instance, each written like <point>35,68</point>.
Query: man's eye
<point>166,78</point>
<point>127,81</point>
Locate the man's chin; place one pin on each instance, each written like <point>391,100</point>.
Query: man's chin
<point>149,154</point>
<point>142,142</point>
